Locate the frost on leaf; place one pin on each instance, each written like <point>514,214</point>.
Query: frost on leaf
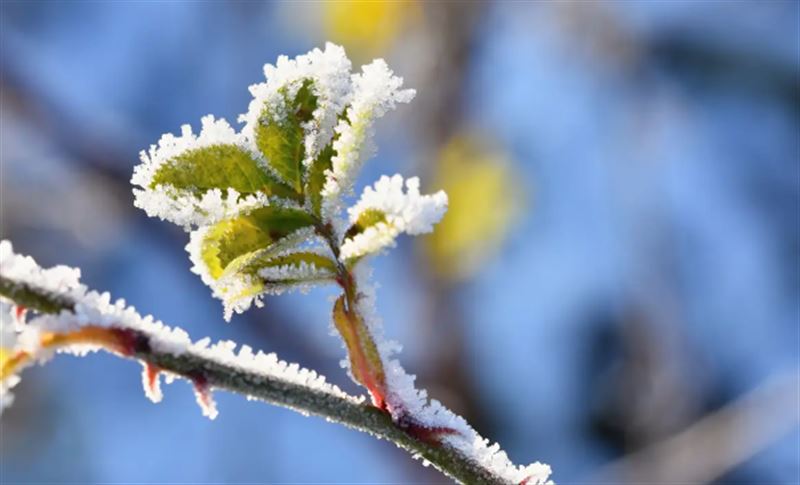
<point>93,322</point>
<point>257,252</point>
<point>194,180</point>
<point>292,116</point>
<point>316,178</point>
<point>280,133</point>
<point>386,210</point>
<point>305,135</point>
<point>376,90</point>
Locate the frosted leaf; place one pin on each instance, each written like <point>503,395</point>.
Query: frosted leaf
<point>238,280</point>
<point>329,74</point>
<point>375,91</point>
<point>303,268</point>
<point>192,180</point>
<point>390,211</point>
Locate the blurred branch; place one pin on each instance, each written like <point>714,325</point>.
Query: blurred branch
<point>452,32</point>
<point>717,443</point>
<point>305,399</point>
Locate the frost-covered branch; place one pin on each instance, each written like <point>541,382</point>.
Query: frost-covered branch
<point>70,318</point>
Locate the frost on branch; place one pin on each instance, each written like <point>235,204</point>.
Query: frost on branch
<point>90,321</point>
<point>385,211</point>
<point>411,407</point>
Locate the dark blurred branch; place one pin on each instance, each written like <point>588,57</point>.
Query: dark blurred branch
<point>717,443</point>
<point>712,67</point>
<point>453,32</point>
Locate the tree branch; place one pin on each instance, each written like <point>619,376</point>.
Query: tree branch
<point>272,389</point>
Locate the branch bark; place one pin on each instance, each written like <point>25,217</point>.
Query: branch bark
<point>306,400</point>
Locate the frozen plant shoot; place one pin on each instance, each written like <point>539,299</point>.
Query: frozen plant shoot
<point>266,211</point>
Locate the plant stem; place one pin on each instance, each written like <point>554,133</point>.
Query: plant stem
<point>274,390</point>
<point>365,360</point>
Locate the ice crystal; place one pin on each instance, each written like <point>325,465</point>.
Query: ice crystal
<point>183,207</point>
<point>328,69</point>
<point>375,91</point>
<point>406,402</point>
<point>401,211</point>
<point>96,310</point>
<point>233,287</point>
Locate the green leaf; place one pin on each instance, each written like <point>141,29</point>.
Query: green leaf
<point>282,142</point>
<point>218,167</point>
<point>316,177</point>
<point>251,264</point>
<point>246,235</point>
<point>368,218</point>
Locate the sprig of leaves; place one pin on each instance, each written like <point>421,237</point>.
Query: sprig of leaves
<point>261,204</point>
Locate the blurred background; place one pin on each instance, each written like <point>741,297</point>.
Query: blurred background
<point>615,290</point>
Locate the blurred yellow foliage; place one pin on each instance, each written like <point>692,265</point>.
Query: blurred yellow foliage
<point>485,199</point>
<point>367,28</point>
<point>5,355</point>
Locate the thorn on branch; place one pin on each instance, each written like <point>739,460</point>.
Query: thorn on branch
<point>152,382</point>
<point>202,392</point>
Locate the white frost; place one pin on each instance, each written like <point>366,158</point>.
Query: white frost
<point>183,207</point>
<point>329,70</point>
<point>234,288</point>
<point>405,401</point>
<point>376,90</point>
<point>303,271</point>
<point>96,309</point>
<point>347,107</point>
<point>406,212</point>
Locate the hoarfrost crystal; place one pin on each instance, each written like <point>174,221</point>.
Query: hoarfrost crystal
<point>182,207</point>
<point>330,72</point>
<point>102,321</point>
<point>376,90</point>
<point>407,212</point>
